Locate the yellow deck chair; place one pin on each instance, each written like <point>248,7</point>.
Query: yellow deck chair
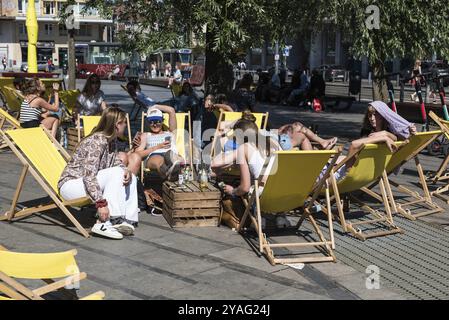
<point>261,122</point>
<point>182,142</point>
<point>442,174</point>
<point>291,181</point>
<point>39,266</point>
<point>13,98</point>
<point>369,167</point>
<point>69,97</point>
<point>7,121</point>
<point>45,159</point>
<point>409,151</point>
<point>89,124</point>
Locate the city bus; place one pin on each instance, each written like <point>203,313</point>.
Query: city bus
<point>161,57</point>
<point>103,59</point>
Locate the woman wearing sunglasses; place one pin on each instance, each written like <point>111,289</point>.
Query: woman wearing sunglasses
<point>157,147</point>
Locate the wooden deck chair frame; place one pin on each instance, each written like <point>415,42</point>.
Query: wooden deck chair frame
<point>222,117</point>
<point>190,144</point>
<point>7,119</point>
<point>386,220</point>
<point>265,247</point>
<point>422,200</point>
<point>128,125</point>
<point>57,202</point>
<point>14,290</point>
<point>442,174</point>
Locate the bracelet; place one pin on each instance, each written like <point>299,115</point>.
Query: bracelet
<point>101,204</point>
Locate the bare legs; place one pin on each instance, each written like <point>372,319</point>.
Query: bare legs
<point>51,124</point>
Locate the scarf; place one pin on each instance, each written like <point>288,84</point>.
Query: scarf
<point>396,124</point>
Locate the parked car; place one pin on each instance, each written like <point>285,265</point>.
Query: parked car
<point>332,72</point>
<point>42,66</point>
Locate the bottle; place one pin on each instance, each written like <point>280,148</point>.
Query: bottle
<point>191,175</point>
<point>181,177</point>
<point>204,181</point>
<point>187,173</point>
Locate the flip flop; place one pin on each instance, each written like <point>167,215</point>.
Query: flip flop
<point>332,144</point>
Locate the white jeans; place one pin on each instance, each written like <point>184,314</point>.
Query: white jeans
<point>122,201</point>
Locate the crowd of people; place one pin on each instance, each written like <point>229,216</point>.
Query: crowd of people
<point>102,171</point>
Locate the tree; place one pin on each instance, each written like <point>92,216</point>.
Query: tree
<point>404,28</point>
<point>224,27</point>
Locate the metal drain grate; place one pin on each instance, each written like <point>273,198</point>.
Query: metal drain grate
<point>414,264</point>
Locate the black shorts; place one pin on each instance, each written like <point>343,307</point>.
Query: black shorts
<point>31,124</point>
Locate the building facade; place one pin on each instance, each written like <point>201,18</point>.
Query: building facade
<point>53,36</point>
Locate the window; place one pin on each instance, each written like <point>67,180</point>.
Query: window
<point>21,6</point>
<point>84,31</point>
<point>48,29</point>
<point>49,7</point>
<point>62,30</point>
<point>22,29</point>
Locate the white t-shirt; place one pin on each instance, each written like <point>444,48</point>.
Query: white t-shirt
<point>155,139</point>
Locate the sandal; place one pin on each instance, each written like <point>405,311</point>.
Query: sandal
<point>332,144</point>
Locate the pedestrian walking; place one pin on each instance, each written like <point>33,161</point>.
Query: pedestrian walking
<point>4,63</point>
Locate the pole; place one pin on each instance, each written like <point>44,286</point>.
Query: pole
<point>72,60</point>
<point>277,56</point>
<point>32,31</point>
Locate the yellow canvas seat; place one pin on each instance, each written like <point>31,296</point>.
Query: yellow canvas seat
<point>410,150</point>
<point>291,184</point>
<point>42,156</point>
<point>182,142</point>
<point>13,98</point>
<point>229,117</point>
<point>39,266</point>
<point>91,122</point>
<point>369,167</point>
<point>69,98</point>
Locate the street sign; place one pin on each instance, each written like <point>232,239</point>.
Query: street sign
<point>286,52</point>
<point>277,57</point>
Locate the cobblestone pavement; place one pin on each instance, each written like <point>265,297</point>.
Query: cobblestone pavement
<point>217,263</point>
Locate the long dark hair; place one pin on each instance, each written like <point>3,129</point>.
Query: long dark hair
<point>367,127</point>
<point>87,90</point>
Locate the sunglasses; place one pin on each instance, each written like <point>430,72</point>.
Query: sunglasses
<point>154,123</point>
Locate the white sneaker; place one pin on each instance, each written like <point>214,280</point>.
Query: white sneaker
<point>124,228</point>
<point>106,230</point>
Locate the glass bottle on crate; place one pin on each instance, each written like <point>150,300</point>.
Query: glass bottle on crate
<point>187,173</point>
<point>181,177</point>
<point>204,179</point>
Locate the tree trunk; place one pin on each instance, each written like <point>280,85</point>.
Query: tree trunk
<point>219,73</point>
<point>380,87</point>
<point>72,60</point>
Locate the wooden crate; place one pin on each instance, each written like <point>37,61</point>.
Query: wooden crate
<point>72,139</point>
<point>190,207</point>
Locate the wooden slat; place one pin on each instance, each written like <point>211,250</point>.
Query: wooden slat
<point>213,212</point>
<point>190,204</point>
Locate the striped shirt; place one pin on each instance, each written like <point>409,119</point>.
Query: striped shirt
<point>28,113</point>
